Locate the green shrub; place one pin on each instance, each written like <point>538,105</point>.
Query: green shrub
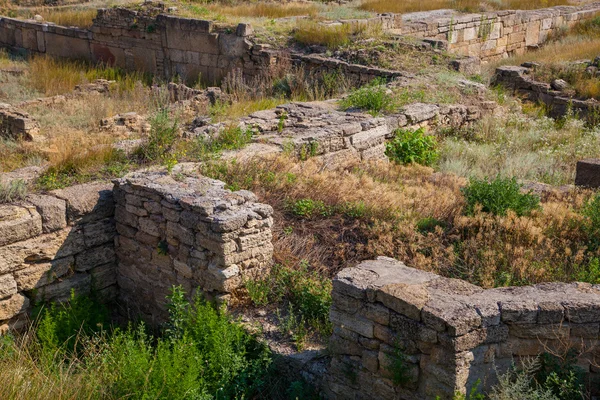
<point>373,98</point>
<point>498,196</point>
<point>12,191</point>
<point>591,225</point>
<point>308,208</point>
<point>163,133</point>
<point>561,375</point>
<point>307,294</point>
<point>61,325</point>
<point>590,273</point>
<point>412,146</point>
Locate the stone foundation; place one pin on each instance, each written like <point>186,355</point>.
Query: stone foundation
<point>558,103</point>
<point>451,333</point>
<point>53,243</point>
<point>192,233</point>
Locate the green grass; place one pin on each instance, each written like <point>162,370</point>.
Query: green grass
<point>199,354</point>
<point>412,146</point>
<point>497,196</point>
<point>373,98</point>
<point>12,191</point>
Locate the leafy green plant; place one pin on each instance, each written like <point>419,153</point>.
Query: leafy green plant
<point>398,366</point>
<point>561,375</point>
<point>163,133</point>
<point>308,208</point>
<point>590,273</point>
<point>591,224</point>
<point>13,191</point>
<point>374,98</point>
<point>412,146</point>
<point>498,196</point>
<point>60,325</point>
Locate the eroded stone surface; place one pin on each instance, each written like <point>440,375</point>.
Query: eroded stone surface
<point>451,332</point>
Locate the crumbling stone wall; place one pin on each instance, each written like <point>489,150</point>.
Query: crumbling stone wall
<point>52,243</point>
<point>451,333</point>
<point>15,124</point>
<point>162,44</point>
<point>193,233</point>
<point>495,35</point>
<point>557,102</point>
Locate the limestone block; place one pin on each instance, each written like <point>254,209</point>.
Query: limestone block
<point>8,286</point>
<point>16,304</point>
<point>87,202</point>
<point>588,173</point>
<point>94,257</point>
<point>61,290</point>
<point>18,223</point>
<point>103,276</point>
<point>100,232</point>
<point>52,210</point>
<point>41,274</point>
<point>360,325</point>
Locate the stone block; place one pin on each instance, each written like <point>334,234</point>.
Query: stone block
<point>52,210</point>
<point>8,286</point>
<point>12,306</point>
<point>94,257</point>
<point>87,202</point>
<point>18,223</point>
<point>588,173</point>
<point>40,274</point>
<point>362,326</point>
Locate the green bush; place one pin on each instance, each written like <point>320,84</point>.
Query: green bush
<point>412,146</point>
<point>201,353</point>
<point>429,225</point>
<point>308,208</point>
<point>590,273</point>
<point>163,133</point>
<point>591,224</point>
<point>60,326</point>
<point>373,98</point>
<point>306,293</point>
<point>498,196</point>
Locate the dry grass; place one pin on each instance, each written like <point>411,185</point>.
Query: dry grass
<point>79,17</point>
<point>389,202</point>
<point>383,6</point>
<point>267,10</point>
<point>334,36</point>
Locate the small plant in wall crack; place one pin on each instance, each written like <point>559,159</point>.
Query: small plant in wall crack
<point>163,248</point>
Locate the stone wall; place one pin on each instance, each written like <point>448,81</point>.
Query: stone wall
<point>495,35</point>
<point>193,233</point>
<point>488,36</point>
<point>143,40</point>
<point>450,333</point>
<point>557,102</point>
<point>52,243</point>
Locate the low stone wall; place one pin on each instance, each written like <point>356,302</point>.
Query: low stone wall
<point>146,41</point>
<point>450,333</point>
<point>53,243</point>
<point>495,35</point>
<point>558,104</point>
<point>16,124</point>
<point>192,233</point>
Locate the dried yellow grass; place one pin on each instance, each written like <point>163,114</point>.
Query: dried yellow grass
<point>382,6</point>
<point>267,10</point>
<point>79,17</point>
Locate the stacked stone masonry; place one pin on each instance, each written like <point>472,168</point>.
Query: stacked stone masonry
<point>489,36</point>
<point>339,138</point>
<point>192,233</point>
<point>451,333</point>
<point>163,45</point>
<point>558,104</point>
<point>55,242</point>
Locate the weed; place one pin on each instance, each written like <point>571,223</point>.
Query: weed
<point>398,366</point>
<point>498,196</point>
<point>12,191</point>
<point>430,225</point>
<point>591,222</point>
<point>373,98</point>
<point>412,146</point>
<point>308,208</point>
<point>314,33</point>
<point>163,134</point>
